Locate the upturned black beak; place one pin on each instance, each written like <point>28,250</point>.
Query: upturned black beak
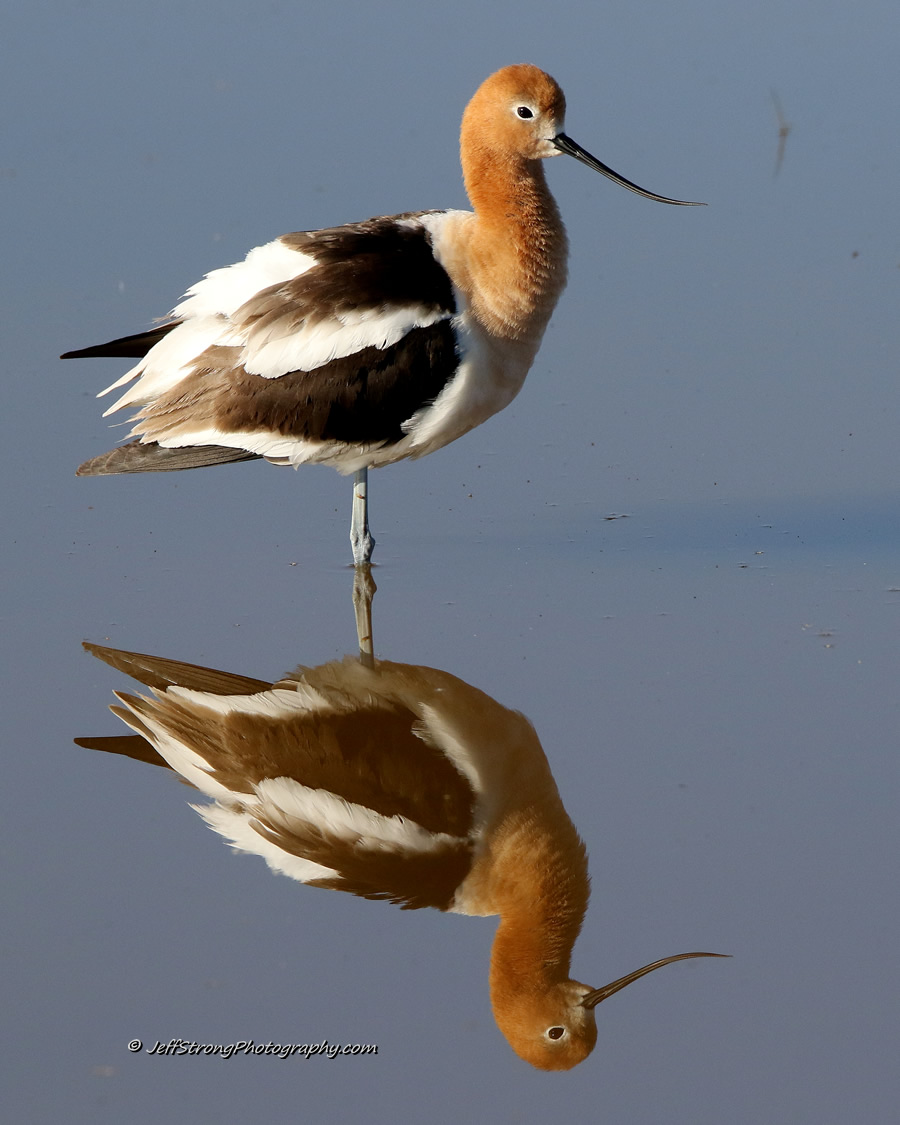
<point>570,148</point>
<point>593,998</point>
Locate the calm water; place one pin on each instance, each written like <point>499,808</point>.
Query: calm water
<point>712,674</point>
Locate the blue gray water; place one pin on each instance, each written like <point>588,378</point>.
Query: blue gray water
<point>712,674</point>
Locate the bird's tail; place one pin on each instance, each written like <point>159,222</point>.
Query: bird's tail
<point>149,457</point>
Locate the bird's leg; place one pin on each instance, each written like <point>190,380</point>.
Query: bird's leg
<point>363,592</point>
<point>360,537</point>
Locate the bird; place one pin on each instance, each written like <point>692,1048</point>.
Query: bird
<point>357,346</point>
<point>397,782</point>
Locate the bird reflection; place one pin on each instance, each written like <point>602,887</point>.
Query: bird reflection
<point>390,781</point>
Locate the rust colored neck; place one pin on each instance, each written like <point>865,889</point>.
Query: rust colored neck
<point>516,247</point>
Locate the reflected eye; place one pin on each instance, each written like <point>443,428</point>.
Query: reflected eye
<point>556,1033</point>
<point>525,113</point>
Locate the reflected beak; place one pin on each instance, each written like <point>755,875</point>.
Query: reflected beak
<point>570,148</point>
<point>593,998</point>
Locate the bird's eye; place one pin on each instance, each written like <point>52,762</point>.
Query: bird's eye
<point>524,112</point>
<point>556,1033</point>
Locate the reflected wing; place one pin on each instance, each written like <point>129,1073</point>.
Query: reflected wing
<point>332,779</point>
<point>127,745</point>
<point>160,672</point>
<point>326,841</point>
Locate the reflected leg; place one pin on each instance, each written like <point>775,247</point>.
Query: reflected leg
<point>363,592</point>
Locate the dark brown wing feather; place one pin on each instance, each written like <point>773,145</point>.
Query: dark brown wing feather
<point>127,745</point>
<point>409,879</point>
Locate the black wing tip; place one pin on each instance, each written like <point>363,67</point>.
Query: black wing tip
<point>126,347</point>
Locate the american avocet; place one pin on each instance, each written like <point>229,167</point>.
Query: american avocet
<point>392,782</point>
<point>360,345</point>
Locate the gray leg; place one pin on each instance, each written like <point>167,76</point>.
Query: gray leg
<point>360,537</point>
